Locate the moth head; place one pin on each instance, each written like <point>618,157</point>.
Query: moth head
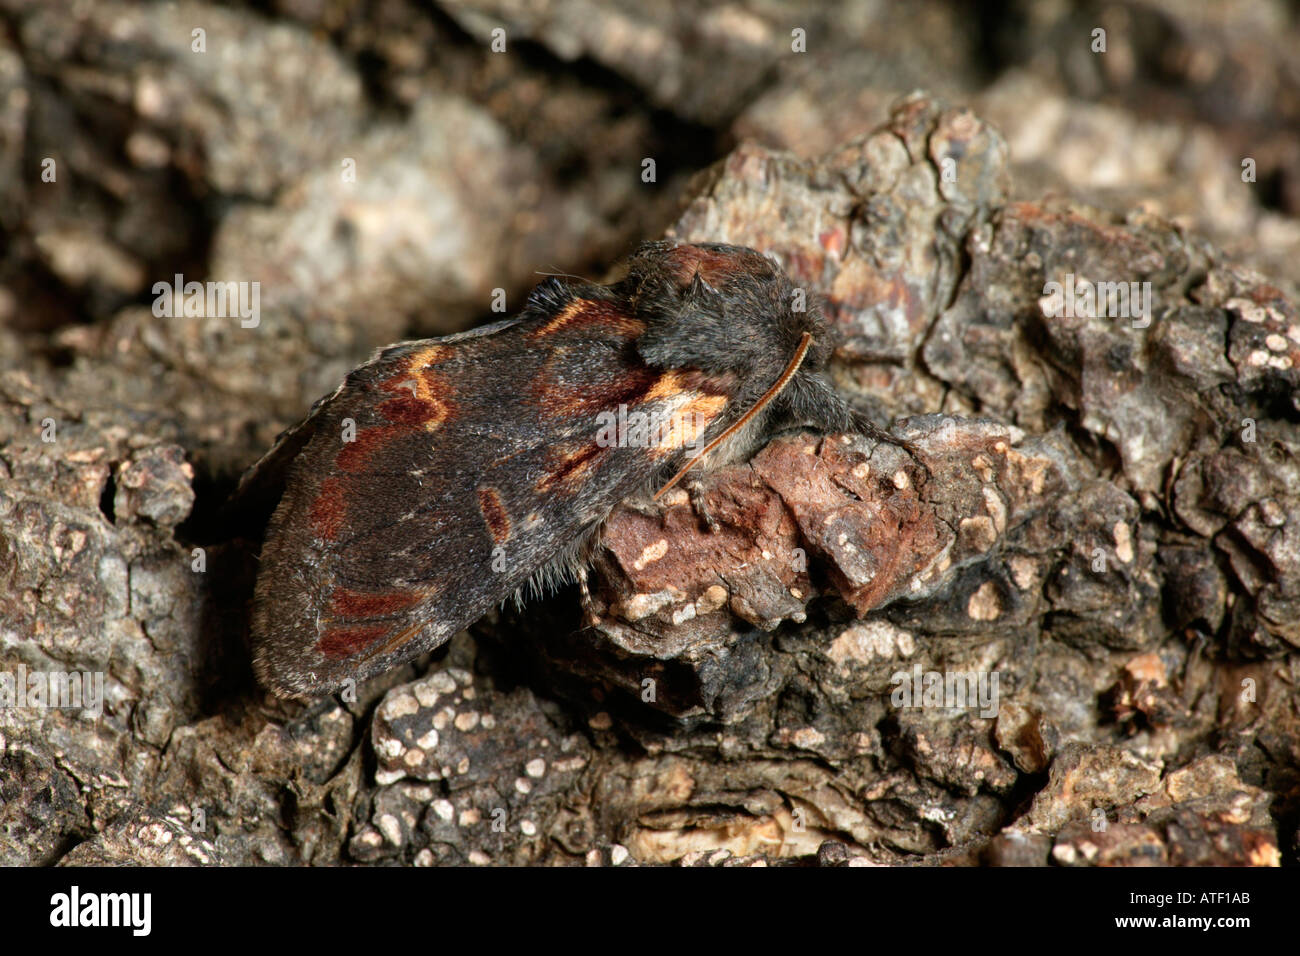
<point>721,309</point>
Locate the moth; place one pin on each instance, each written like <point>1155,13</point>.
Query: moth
<point>447,474</point>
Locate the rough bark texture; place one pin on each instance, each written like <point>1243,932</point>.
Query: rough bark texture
<point>1107,520</point>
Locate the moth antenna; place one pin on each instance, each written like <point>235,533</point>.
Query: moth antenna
<point>804,343</point>
<point>562,275</point>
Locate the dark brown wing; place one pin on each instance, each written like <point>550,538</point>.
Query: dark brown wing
<point>475,459</point>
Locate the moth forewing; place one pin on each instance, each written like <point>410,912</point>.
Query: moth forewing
<point>446,474</point>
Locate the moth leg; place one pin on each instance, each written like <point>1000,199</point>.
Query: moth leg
<point>643,505</point>
<point>695,487</point>
<point>863,424</point>
<point>817,403</point>
<point>584,594</point>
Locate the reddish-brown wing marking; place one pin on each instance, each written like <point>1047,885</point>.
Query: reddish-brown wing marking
<point>474,461</point>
